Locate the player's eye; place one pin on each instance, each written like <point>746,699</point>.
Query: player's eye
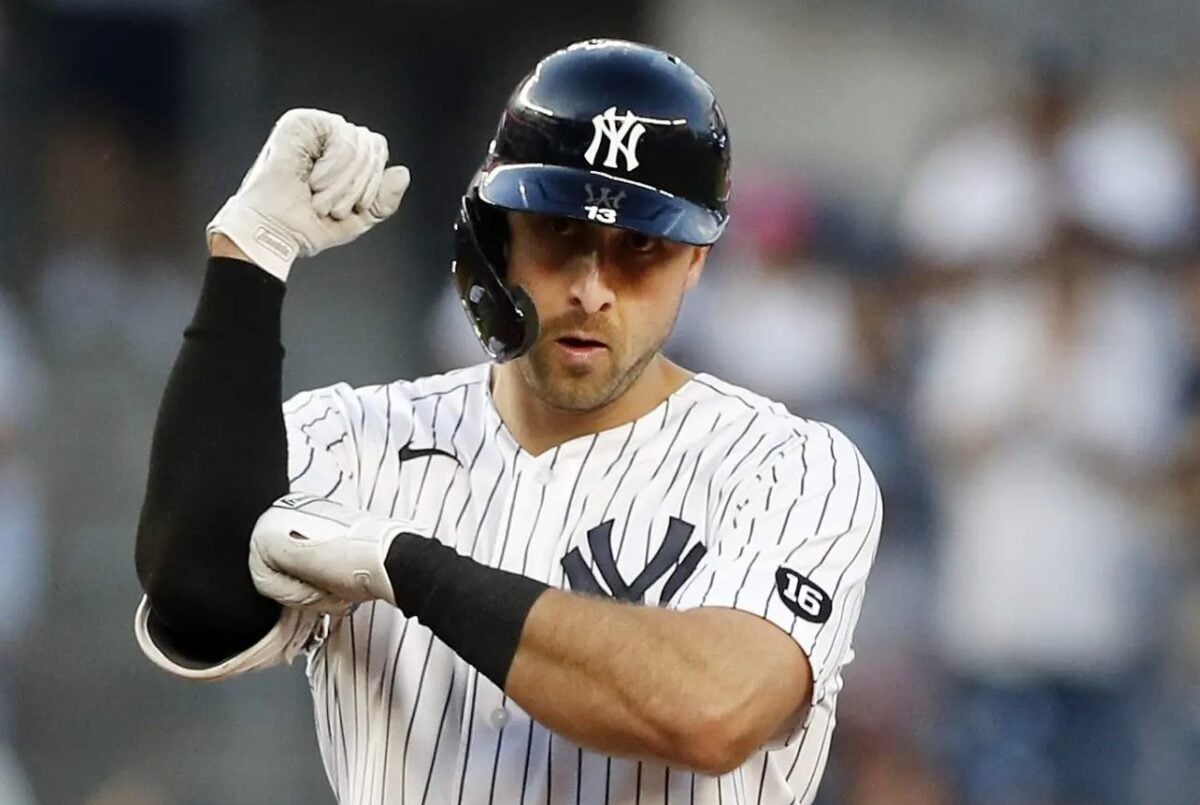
<point>563,227</point>
<point>641,244</point>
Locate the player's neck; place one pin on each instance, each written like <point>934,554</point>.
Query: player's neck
<point>538,426</point>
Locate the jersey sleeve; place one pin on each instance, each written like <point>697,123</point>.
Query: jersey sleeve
<point>793,543</point>
<point>321,461</point>
<point>323,432</point>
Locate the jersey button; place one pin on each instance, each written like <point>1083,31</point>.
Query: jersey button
<point>545,476</point>
<point>498,718</point>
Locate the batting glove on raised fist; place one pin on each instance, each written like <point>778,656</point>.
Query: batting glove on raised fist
<point>318,182</point>
<point>311,552</point>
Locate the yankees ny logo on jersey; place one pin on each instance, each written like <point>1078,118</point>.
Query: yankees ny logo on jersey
<point>622,132</point>
<point>668,554</point>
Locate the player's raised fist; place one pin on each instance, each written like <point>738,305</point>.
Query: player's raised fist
<point>318,182</point>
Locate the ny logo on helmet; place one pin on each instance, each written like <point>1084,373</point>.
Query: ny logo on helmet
<point>622,132</point>
<point>605,199</point>
<point>602,206</point>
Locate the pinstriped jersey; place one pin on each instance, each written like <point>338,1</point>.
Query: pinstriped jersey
<point>717,497</point>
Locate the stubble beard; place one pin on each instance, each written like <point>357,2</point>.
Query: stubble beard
<point>580,390</point>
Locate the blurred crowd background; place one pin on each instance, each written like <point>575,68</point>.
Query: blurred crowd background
<point>967,233</point>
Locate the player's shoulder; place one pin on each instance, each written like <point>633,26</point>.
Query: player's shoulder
<point>446,388</point>
<point>743,408</point>
<point>394,401</point>
<point>766,426</point>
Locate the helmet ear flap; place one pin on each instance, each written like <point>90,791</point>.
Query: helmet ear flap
<point>504,317</point>
<point>490,225</point>
<point>528,312</point>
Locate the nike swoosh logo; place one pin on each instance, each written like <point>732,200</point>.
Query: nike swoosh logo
<point>408,452</point>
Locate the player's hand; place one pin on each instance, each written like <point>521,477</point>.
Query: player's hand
<point>306,550</point>
<point>318,182</point>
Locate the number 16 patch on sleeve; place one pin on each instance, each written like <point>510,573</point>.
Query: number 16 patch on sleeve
<point>803,596</point>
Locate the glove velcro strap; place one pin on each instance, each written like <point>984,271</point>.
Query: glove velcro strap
<point>268,245</point>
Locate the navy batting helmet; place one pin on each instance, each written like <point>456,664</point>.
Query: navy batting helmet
<point>607,131</point>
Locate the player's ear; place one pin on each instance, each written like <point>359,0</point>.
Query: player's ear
<point>696,266</point>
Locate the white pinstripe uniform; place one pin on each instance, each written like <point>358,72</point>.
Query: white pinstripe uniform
<point>698,503</point>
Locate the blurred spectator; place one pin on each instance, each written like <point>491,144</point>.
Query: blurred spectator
<point>766,286</point>
<point>1187,124</point>
<point>1180,731</point>
<point>1186,119</point>
<point>110,274</point>
<point>22,571</point>
<point>1047,393</point>
<point>987,196</point>
<point>1128,185</point>
<point>1182,672</point>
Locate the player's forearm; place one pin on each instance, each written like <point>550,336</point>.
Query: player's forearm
<point>217,461</point>
<point>700,689</point>
<point>694,688</point>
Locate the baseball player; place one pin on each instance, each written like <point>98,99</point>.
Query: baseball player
<point>574,573</point>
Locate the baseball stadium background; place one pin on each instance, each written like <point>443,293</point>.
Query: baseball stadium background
<point>965,232</point>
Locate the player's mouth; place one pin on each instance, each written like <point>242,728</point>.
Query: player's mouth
<point>580,346</point>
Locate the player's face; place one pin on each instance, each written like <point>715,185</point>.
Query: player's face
<point>607,299</point>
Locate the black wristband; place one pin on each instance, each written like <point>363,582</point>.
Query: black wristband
<point>478,611</point>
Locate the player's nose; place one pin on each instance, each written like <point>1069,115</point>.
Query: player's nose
<point>588,289</point>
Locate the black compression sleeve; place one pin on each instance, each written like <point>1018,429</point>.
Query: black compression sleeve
<point>478,611</point>
<point>217,461</point>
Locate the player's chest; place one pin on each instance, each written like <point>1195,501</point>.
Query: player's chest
<point>627,523</point>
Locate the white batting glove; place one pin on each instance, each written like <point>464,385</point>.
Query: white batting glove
<point>311,552</point>
<point>318,182</point>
